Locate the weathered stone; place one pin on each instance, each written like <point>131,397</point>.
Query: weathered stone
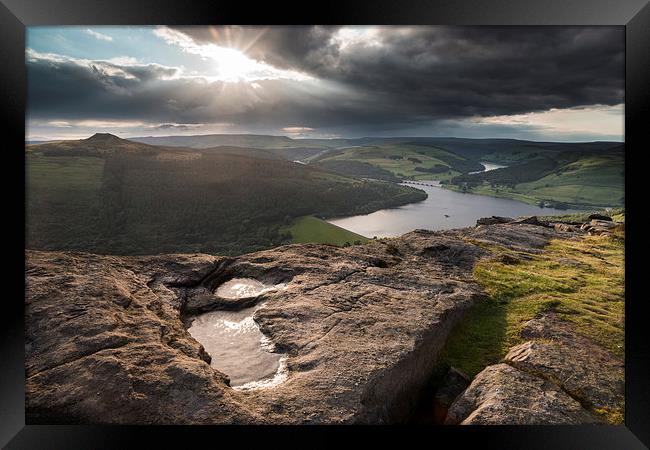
<point>570,228</point>
<point>529,220</point>
<point>521,237</point>
<point>557,377</point>
<point>504,395</point>
<point>360,327</point>
<point>601,227</point>
<point>575,363</point>
<point>602,223</point>
<point>493,220</point>
<point>599,217</point>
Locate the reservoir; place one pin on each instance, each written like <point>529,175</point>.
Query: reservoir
<point>443,209</point>
<point>488,166</point>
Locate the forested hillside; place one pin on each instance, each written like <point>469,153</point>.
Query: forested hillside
<point>180,200</point>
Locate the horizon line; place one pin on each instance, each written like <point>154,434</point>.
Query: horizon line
<point>327,139</point>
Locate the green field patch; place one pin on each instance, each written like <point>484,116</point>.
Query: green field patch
<point>592,180</point>
<point>309,229</point>
<point>589,293</point>
<point>53,173</point>
<point>62,200</point>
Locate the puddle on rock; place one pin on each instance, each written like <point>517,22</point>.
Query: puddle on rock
<point>234,341</point>
<point>245,288</point>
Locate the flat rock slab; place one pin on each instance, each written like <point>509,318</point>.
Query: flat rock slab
<point>503,395</point>
<point>360,326</point>
<point>576,364</point>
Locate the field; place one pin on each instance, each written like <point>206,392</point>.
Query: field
<point>311,229</point>
<point>404,161</point>
<point>63,197</point>
<point>592,180</point>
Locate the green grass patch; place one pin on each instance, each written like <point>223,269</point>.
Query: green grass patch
<point>62,200</point>
<point>582,280</point>
<point>617,214</point>
<point>311,229</point>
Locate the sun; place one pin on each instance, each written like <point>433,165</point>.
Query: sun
<point>233,65</point>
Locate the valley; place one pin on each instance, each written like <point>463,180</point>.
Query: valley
<point>582,175</point>
<point>232,194</point>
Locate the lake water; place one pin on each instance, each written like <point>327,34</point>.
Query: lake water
<point>462,210</point>
<point>489,166</point>
<point>234,341</point>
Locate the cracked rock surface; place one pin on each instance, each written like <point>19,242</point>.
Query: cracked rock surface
<point>360,326</point>
<point>555,377</point>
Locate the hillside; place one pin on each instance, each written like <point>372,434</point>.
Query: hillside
<point>563,179</point>
<point>510,150</point>
<point>565,175</point>
<point>99,144</point>
<point>216,140</point>
<point>109,195</point>
<point>401,161</point>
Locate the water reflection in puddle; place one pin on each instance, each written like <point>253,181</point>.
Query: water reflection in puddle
<point>235,342</point>
<point>245,288</point>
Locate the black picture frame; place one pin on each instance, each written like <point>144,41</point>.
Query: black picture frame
<point>15,15</point>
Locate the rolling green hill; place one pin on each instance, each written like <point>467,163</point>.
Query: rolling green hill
<point>509,151</point>
<point>569,180</point>
<point>403,161</point>
<point>108,195</point>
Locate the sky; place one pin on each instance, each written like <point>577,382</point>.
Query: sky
<point>550,83</point>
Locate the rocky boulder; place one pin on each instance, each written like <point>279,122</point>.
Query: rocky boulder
<point>575,363</point>
<point>360,328</point>
<point>567,227</point>
<point>530,220</point>
<point>556,377</point>
<point>598,227</point>
<point>503,395</point>
<point>493,220</point>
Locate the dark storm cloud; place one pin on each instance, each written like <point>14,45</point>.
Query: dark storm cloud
<point>461,71</point>
<point>70,90</point>
<point>290,47</point>
<point>452,71</point>
<point>396,78</point>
